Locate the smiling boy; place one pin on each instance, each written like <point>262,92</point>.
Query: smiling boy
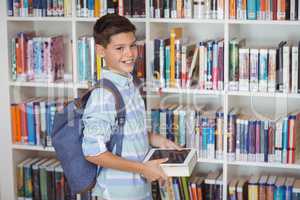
<point>123,177</point>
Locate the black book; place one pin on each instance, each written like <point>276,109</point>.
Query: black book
<point>127,5</point>
<point>138,8</point>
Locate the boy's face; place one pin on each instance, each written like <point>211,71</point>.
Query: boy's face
<point>120,53</point>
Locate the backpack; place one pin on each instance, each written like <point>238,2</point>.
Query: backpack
<point>67,137</point>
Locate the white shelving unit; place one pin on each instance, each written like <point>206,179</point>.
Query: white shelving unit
<point>261,33</point>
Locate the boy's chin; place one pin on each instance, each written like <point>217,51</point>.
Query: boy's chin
<point>127,68</point>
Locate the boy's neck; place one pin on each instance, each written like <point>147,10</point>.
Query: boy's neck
<point>118,72</point>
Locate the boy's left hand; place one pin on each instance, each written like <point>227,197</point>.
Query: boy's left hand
<point>161,142</point>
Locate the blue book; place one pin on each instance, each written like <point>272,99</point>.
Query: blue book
<point>91,8</point>
<point>280,189</point>
<point>155,120</point>
<point>176,188</point>
<point>266,142</point>
<point>10,8</point>
<point>289,188</point>
<point>30,123</point>
<point>167,73</point>
<point>80,46</point>
<point>251,9</point>
<point>208,84</point>
<point>284,140</point>
<point>182,133</point>
<point>170,117</point>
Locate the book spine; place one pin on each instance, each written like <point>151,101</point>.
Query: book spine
<point>263,70</point>
<point>221,8</point>
<point>215,67</point>
<point>219,135</point>
<point>221,65</point>
<point>178,63</point>
<point>294,69</point>
<point>233,66</point>
<point>244,69</point>
<point>232,9</point>
<point>161,63</point>
<point>254,70</point>
<point>167,66</point>
<point>199,9</point>
<point>184,66</point>
<point>202,65</point>
<point>251,10</point>
<point>272,71</point>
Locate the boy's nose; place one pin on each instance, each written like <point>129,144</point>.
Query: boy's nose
<point>129,52</point>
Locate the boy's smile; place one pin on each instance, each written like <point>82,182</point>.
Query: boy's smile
<point>120,53</point>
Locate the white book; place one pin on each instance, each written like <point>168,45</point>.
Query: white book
<point>278,141</point>
<point>263,70</point>
<point>163,123</point>
<point>286,69</point>
<point>295,63</point>
<point>180,163</point>
<point>272,71</point>
<point>244,69</point>
<point>254,70</point>
<point>292,9</point>
<point>221,6</point>
<point>188,8</point>
<point>202,66</point>
<point>199,9</point>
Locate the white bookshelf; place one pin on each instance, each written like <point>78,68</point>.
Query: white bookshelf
<point>261,33</point>
<point>32,148</point>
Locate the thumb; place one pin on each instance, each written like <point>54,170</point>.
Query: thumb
<point>162,160</point>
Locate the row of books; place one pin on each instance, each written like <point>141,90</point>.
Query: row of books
<point>32,120</point>
<point>200,9</point>
<point>264,10</point>
<point>264,187</point>
<point>97,8</point>
<point>255,140</point>
<point>39,8</point>
<point>38,59</point>
<point>41,178</point>
<point>199,128</point>
<point>89,64</point>
<point>264,70</point>
<point>181,64</point>
<point>198,187</point>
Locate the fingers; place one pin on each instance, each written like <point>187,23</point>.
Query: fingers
<point>172,145</point>
<point>162,160</point>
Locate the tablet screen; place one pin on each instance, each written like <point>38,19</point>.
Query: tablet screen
<point>174,156</point>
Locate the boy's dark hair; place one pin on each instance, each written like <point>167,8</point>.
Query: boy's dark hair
<point>109,25</point>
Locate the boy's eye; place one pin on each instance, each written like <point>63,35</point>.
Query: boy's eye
<point>133,46</point>
<point>120,48</point>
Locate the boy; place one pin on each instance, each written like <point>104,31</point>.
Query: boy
<point>123,177</point>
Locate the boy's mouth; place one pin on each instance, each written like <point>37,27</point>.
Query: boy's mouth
<point>131,61</point>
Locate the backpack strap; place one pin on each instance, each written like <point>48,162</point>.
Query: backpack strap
<point>116,138</point>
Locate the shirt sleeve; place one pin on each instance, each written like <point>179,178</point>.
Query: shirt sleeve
<point>98,119</point>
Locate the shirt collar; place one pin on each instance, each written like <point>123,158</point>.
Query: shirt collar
<point>115,77</point>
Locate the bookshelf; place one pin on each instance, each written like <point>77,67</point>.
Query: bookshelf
<point>266,33</point>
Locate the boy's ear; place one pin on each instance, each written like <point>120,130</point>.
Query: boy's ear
<point>100,50</point>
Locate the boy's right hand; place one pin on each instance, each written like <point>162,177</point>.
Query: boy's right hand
<point>152,170</point>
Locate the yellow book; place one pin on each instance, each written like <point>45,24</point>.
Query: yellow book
<point>97,8</point>
<point>176,33</point>
<point>253,188</point>
<point>98,66</point>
